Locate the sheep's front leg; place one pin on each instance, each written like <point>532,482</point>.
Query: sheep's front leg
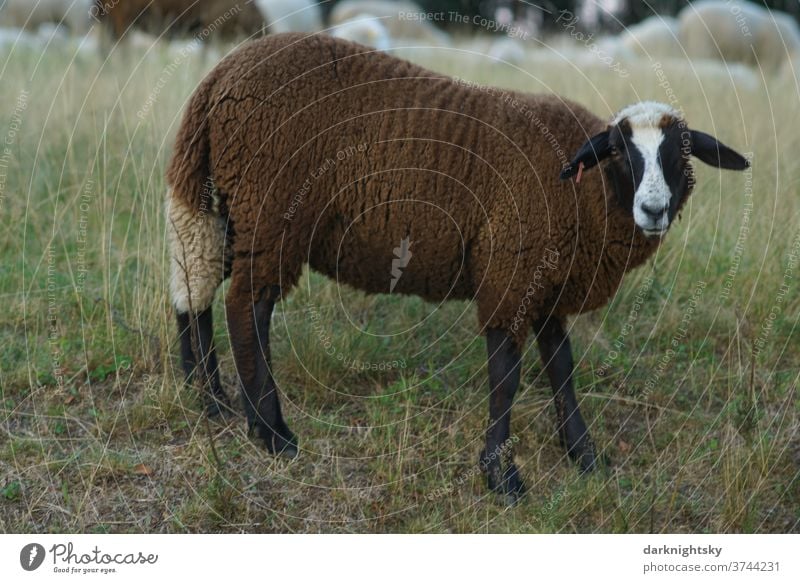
<point>504,373</point>
<point>248,325</point>
<point>554,347</point>
<point>217,399</point>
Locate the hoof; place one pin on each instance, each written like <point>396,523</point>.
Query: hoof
<point>288,450</point>
<point>512,487</point>
<point>508,484</point>
<point>580,447</point>
<point>584,454</point>
<point>281,442</point>
<point>218,406</point>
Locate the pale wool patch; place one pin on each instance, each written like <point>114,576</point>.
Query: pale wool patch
<point>197,261</point>
<point>645,114</point>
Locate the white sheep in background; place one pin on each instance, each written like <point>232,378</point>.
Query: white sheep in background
<point>790,70</point>
<point>738,31</point>
<point>31,14</point>
<point>490,50</point>
<point>612,47</point>
<point>507,50</point>
<point>17,38</point>
<point>349,9</point>
<point>366,30</point>
<point>46,37</point>
<point>712,73</point>
<point>678,74</point>
<point>291,15</point>
<point>740,76</point>
<point>401,19</point>
<point>655,37</point>
<point>789,41</point>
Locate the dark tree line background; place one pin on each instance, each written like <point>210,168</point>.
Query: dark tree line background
<point>632,12</point>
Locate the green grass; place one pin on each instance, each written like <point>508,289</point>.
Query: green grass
<point>98,435</point>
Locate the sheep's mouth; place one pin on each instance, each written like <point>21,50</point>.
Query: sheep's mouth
<point>654,233</point>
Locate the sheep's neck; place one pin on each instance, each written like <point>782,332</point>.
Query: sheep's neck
<point>609,243</point>
<point>625,246</point>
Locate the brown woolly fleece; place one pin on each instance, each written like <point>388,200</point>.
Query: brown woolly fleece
<point>326,152</point>
<point>226,18</point>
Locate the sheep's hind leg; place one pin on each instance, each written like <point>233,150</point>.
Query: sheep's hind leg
<point>217,400</point>
<point>248,324</point>
<point>504,373</point>
<point>554,347</point>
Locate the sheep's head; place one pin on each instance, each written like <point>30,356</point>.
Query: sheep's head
<point>645,151</point>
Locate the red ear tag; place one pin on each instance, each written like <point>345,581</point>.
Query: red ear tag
<point>580,173</point>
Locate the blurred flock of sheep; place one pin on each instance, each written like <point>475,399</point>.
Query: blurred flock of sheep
<point>736,39</point>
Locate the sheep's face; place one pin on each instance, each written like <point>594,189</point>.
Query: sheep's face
<point>647,149</point>
<point>650,165</point>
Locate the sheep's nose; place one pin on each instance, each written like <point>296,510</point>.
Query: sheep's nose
<point>653,213</point>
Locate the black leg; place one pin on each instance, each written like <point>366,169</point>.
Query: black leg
<point>217,399</point>
<point>504,373</point>
<point>248,325</point>
<point>187,354</point>
<point>556,354</point>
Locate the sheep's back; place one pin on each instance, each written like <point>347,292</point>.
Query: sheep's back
<point>344,153</point>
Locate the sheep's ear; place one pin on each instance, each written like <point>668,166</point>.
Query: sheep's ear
<point>590,154</point>
<point>714,153</point>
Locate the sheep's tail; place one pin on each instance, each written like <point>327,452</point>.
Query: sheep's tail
<point>195,229</point>
<point>188,171</point>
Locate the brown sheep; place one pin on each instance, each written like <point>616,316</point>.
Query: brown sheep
<point>219,18</point>
<point>468,174</point>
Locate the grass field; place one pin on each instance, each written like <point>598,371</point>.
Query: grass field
<point>689,379</point>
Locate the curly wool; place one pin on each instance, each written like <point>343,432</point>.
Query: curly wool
<point>328,153</point>
<point>196,265</point>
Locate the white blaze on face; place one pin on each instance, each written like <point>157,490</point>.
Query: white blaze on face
<point>651,200</point>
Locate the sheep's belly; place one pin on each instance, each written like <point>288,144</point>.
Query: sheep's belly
<point>419,261</point>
